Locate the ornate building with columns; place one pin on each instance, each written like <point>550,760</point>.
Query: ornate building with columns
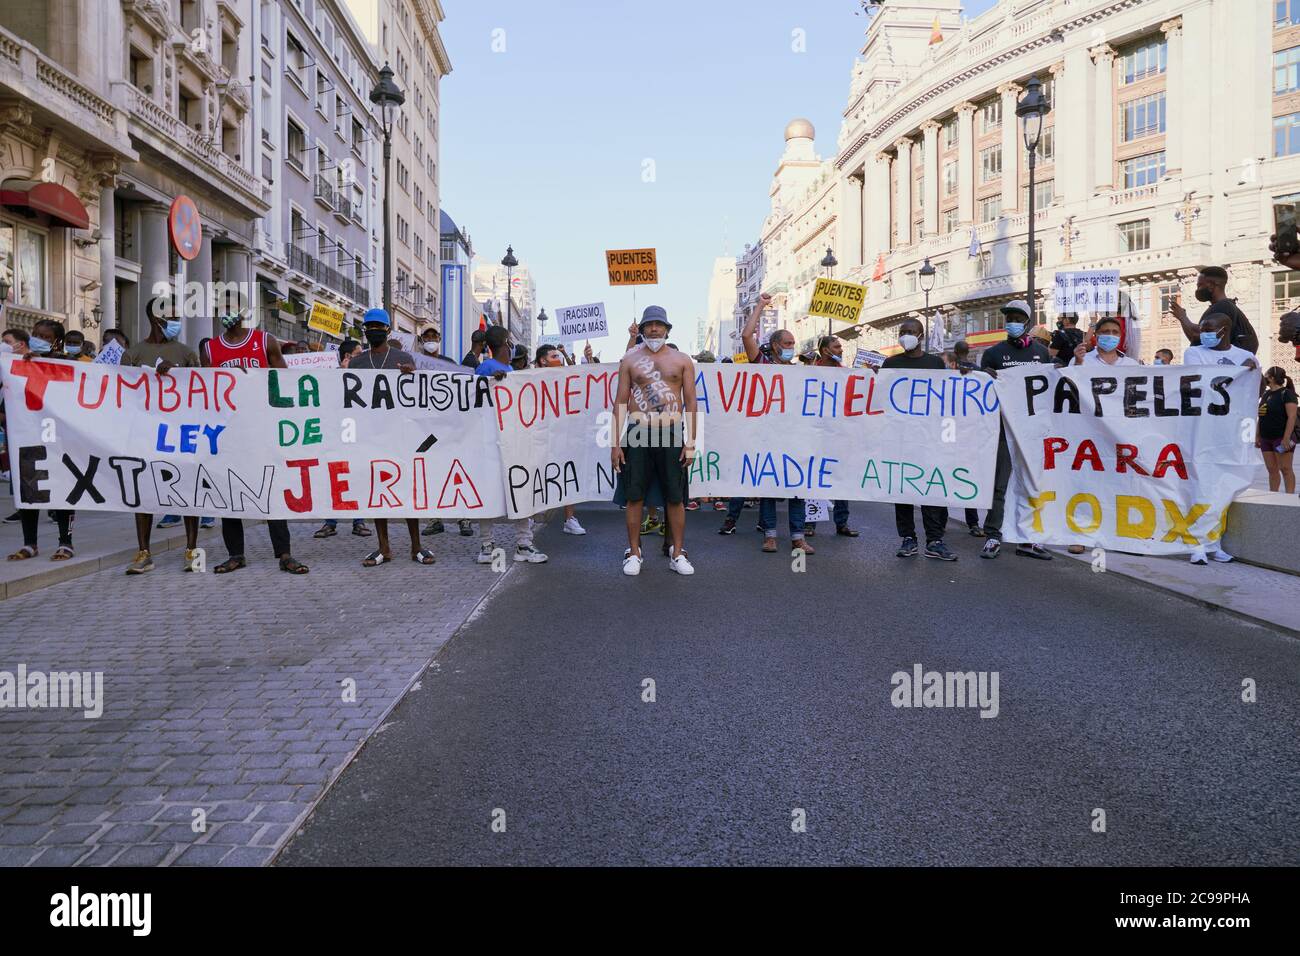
<point>63,138</point>
<point>1174,124</point>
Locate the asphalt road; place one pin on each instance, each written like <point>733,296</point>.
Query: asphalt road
<point>773,694</point>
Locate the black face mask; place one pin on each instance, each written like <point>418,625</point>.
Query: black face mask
<point>1203,295</point>
<point>376,337</point>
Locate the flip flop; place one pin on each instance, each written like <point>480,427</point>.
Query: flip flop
<point>423,556</point>
<point>373,559</point>
<point>326,532</point>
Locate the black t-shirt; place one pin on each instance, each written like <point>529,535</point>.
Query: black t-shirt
<point>1065,341</point>
<point>1241,327</point>
<point>1008,355</point>
<point>921,361</point>
<point>1272,412</point>
<point>470,360</point>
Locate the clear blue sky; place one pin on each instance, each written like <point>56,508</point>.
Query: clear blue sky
<point>542,146</point>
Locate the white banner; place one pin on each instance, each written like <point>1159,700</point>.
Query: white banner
<point>1142,459</point>
<point>1095,291</point>
<point>764,431</point>
<point>302,361</point>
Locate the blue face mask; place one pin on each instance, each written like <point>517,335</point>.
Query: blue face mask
<point>71,349</point>
<point>1159,361</point>
<point>172,328</point>
<point>1210,339</point>
<point>1108,343</point>
<point>1015,329</point>
<point>39,346</point>
<point>787,355</point>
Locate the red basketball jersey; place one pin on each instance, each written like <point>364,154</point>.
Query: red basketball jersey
<point>250,352</point>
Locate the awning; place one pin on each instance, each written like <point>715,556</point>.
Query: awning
<point>60,204</point>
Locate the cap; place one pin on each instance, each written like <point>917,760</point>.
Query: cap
<point>1017,305</point>
<point>706,356</point>
<point>378,316</point>
<point>654,313</point>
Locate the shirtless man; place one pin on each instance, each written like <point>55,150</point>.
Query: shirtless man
<point>656,408</point>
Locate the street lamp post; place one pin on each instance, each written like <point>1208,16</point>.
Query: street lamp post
<point>829,262</point>
<point>389,99</point>
<point>925,276</point>
<point>542,319</point>
<point>1031,109</point>
<point>509,262</point>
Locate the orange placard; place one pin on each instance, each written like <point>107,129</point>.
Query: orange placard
<point>632,267</point>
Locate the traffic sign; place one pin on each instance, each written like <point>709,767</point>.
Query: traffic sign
<point>186,227</point>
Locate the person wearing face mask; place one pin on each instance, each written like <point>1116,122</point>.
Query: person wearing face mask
<point>347,349</point>
<point>1107,351</point>
<point>77,348</point>
<point>1019,348</point>
<point>45,342</point>
<point>1216,349</point>
<point>477,344</point>
<point>780,350</point>
<point>1275,436</point>
<point>934,519</point>
<point>1164,357</point>
<point>1211,286</point>
<point>430,341</point>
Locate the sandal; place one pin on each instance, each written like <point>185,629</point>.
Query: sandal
<point>423,556</point>
<point>23,553</point>
<point>230,564</point>
<point>325,531</point>
<point>62,553</point>
<point>292,566</point>
<point>361,531</point>
<point>373,559</point>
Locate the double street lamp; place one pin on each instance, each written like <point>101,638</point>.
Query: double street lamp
<point>509,262</point>
<point>926,275</point>
<point>389,99</point>
<point>1031,109</point>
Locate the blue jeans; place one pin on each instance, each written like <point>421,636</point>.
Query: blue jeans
<point>734,507</point>
<point>767,517</point>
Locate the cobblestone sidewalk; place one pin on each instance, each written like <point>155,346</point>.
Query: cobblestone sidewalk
<point>222,694</point>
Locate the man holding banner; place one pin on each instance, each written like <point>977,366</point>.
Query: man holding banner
<point>655,429</point>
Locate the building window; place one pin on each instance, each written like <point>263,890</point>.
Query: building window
<point>909,281</point>
<point>1149,59</point>
<point>403,231</point>
<point>984,264</point>
<point>295,144</point>
<point>296,55</point>
<point>1135,236</point>
<point>141,71</point>
<point>1286,13</point>
<point>1046,149</point>
<point>940,274</point>
<point>22,263</point>
<point>991,116</point>
<point>1144,116</point>
<point>948,221</point>
<point>1038,255</point>
<point>1286,71</point>
<point>990,208</point>
<point>1286,135</point>
<point>990,164</point>
<point>1144,170</point>
<point>950,133</point>
<point>950,177</point>
<point>1044,193</point>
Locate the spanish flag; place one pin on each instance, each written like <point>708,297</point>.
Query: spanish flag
<point>880,269</point>
<point>936,35</point>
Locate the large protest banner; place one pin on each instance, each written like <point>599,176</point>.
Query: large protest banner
<point>764,431</point>
<point>257,443</point>
<point>1135,458</point>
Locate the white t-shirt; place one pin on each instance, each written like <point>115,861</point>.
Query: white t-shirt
<point>1200,355</point>
<point>1092,358</point>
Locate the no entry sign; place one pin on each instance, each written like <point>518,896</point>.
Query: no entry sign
<point>186,227</point>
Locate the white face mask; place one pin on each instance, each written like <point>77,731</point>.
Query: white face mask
<point>431,348</point>
<point>908,342</point>
<point>654,345</point>
<point>5,347</point>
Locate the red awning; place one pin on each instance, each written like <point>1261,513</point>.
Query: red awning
<point>60,204</point>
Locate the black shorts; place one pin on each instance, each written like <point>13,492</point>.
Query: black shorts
<point>660,461</point>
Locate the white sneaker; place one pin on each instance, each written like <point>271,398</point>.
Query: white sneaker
<point>571,526</point>
<point>1198,557</point>
<point>1223,557</point>
<point>681,565</point>
<point>631,563</point>
<point>530,554</point>
<point>485,553</point>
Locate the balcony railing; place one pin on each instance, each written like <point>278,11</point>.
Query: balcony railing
<point>324,191</point>
<point>343,206</point>
<point>303,261</point>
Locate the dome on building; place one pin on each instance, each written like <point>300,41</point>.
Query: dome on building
<point>799,129</point>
